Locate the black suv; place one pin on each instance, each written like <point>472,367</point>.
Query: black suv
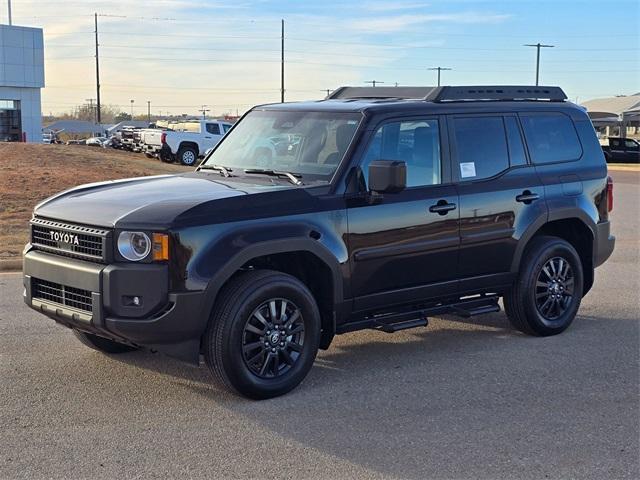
<point>374,208</point>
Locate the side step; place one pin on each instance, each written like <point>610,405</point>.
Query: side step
<point>404,321</point>
<point>478,310</point>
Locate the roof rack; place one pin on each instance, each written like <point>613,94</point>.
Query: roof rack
<point>495,92</point>
<point>380,93</point>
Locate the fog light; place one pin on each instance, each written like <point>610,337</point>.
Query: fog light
<point>131,300</point>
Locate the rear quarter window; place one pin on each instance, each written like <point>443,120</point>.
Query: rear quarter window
<point>551,137</point>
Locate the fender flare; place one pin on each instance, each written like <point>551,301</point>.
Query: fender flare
<point>560,214</point>
<point>188,143</point>
<point>284,245</point>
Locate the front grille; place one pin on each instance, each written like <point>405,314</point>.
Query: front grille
<point>61,294</point>
<point>69,239</point>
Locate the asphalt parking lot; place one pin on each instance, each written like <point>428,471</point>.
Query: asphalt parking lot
<point>459,399</point>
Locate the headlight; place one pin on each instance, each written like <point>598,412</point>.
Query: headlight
<point>134,246</point>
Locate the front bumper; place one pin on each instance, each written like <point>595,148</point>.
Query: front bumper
<point>96,298</point>
<point>604,243</point>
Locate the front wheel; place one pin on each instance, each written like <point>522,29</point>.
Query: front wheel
<point>547,294</point>
<point>263,334</point>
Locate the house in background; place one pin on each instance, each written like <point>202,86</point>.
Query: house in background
<point>21,78</point>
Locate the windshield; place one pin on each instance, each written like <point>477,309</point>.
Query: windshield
<point>308,144</point>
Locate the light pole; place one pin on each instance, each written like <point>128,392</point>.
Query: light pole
<point>132,109</point>
<point>439,69</point>
<point>373,82</point>
<point>9,10</point>
<point>538,47</point>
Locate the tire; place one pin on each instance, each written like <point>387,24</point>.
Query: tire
<point>188,156</point>
<point>101,344</point>
<point>547,293</point>
<point>237,348</point>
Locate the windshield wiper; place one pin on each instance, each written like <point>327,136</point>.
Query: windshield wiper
<point>226,171</point>
<point>292,177</point>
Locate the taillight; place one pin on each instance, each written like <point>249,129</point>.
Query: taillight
<point>609,194</point>
<point>163,138</point>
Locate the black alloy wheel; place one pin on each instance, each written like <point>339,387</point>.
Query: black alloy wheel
<point>273,338</point>
<point>554,288</point>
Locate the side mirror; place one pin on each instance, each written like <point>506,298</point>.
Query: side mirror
<point>387,176</point>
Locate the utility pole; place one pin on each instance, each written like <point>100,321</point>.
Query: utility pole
<point>373,82</point>
<point>149,111</point>
<point>204,111</point>
<point>538,47</point>
<point>282,63</point>
<point>98,112</point>
<point>439,69</point>
<point>90,100</point>
<point>132,109</point>
<point>9,8</point>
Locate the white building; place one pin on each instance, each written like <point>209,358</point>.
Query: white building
<point>21,78</point>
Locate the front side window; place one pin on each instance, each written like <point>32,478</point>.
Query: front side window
<point>551,137</point>
<point>631,145</point>
<point>308,144</point>
<point>417,143</point>
<point>481,146</point>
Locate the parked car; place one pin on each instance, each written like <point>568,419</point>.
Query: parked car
<point>186,147</point>
<point>127,138</point>
<point>96,141</point>
<point>371,213</point>
<point>623,150</point>
<point>51,137</point>
<point>151,140</point>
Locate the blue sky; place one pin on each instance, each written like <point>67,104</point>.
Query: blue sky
<point>180,54</point>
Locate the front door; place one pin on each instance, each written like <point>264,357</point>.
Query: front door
<point>405,246</point>
<point>500,195</point>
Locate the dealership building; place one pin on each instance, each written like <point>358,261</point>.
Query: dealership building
<point>21,78</point>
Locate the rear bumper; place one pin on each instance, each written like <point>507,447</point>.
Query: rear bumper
<point>604,243</point>
<point>169,322</point>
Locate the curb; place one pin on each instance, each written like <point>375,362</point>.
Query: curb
<point>11,265</point>
<point>623,167</point>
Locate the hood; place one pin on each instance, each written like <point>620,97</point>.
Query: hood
<point>147,201</point>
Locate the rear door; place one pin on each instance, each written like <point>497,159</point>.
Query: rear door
<point>500,195</point>
<point>405,246</point>
<point>212,136</point>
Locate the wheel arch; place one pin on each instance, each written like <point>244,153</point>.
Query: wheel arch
<point>189,144</point>
<point>306,259</point>
<point>577,229</point>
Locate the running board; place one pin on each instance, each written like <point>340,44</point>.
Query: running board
<point>394,322</point>
<point>390,323</point>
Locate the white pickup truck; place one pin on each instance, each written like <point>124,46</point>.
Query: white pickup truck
<point>186,146</point>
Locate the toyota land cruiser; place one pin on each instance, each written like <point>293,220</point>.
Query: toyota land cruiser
<point>374,208</point>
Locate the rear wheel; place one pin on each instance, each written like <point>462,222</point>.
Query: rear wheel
<point>547,294</point>
<point>102,344</point>
<point>187,156</point>
<point>263,335</point>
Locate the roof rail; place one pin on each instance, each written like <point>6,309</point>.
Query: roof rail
<point>495,92</point>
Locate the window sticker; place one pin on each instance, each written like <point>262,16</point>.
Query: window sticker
<point>467,169</point>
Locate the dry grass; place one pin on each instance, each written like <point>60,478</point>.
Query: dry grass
<point>30,173</point>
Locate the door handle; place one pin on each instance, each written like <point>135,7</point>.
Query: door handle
<point>442,207</point>
<point>527,197</point>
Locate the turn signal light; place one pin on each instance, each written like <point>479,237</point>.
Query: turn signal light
<point>160,246</point>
